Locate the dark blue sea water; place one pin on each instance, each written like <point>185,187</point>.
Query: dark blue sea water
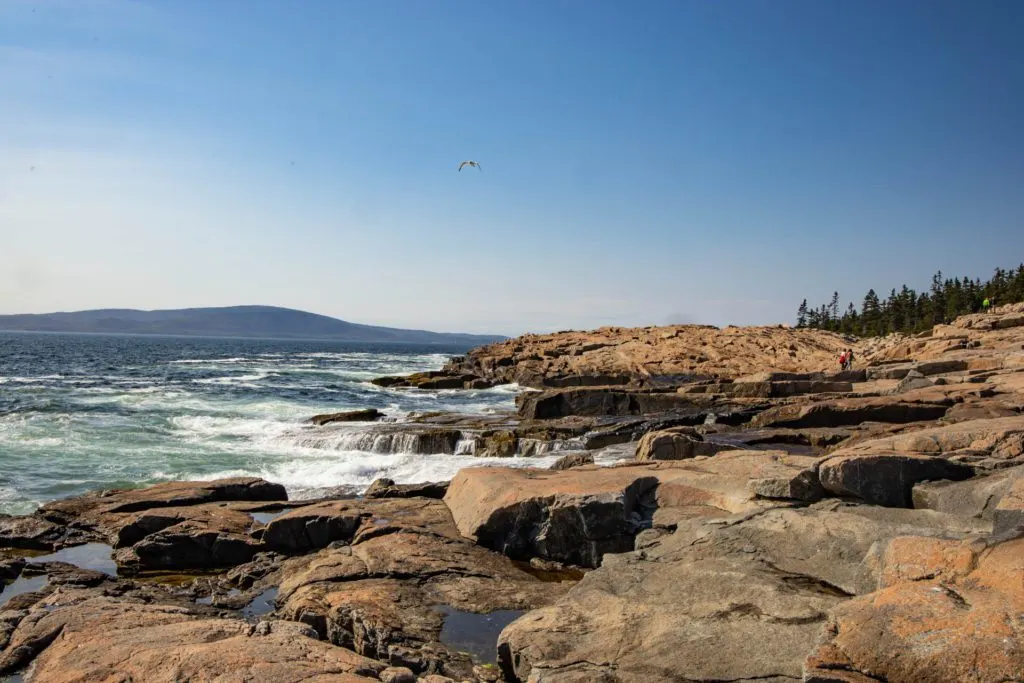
<point>81,412</point>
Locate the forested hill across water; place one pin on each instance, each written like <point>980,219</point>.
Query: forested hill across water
<point>261,322</point>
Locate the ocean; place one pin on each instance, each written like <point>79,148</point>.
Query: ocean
<point>85,412</point>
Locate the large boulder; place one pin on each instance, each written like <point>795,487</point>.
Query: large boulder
<point>195,537</point>
<point>739,599</point>
<point>886,479</point>
<point>317,526</point>
<point>579,515</point>
<point>678,443</point>
<point>945,610</point>
<point>571,516</point>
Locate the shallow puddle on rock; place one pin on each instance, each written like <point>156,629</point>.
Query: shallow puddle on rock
<point>475,634</point>
<point>94,556</point>
<point>261,605</point>
<point>268,517</point>
<point>20,586</point>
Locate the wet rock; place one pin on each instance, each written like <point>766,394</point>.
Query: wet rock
<point>194,537</point>
<point>678,443</point>
<point>501,444</point>
<point>387,488</point>
<point>345,521</point>
<point>600,401</point>
<point>946,611</point>
<point>90,637</point>
<point>567,462</point>
<point>366,415</point>
<point>86,509</point>
<point>815,437</point>
<point>886,479</point>
<point>10,569</point>
<point>435,380</point>
<point>32,533</point>
<point>851,411</point>
<point>748,388</point>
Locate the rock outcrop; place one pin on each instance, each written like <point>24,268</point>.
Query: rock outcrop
<point>365,415</point>
<point>727,510</point>
<point>84,635</point>
<point>945,610</point>
<point>578,516</point>
<point>617,356</point>
<point>737,599</point>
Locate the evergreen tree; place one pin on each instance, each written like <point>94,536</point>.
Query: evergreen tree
<point>871,313</point>
<point>908,311</point>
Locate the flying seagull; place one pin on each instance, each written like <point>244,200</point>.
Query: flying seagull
<point>470,163</point>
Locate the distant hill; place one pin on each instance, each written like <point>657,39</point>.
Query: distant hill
<point>234,321</point>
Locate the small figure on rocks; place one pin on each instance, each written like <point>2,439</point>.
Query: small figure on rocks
<point>985,305</point>
<point>849,360</point>
<point>842,361</point>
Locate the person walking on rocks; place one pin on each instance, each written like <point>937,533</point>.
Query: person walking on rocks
<point>842,361</point>
<point>849,360</point>
<point>985,304</point>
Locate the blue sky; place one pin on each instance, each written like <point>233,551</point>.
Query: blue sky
<point>676,160</point>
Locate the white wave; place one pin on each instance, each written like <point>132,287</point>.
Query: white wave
<point>245,380</point>
<point>195,361</point>
<point>207,427</point>
<point>309,477</point>
<point>465,447</point>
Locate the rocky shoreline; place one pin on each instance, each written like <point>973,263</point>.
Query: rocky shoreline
<point>728,508</point>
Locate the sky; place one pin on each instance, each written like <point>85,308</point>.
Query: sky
<point>642,163</point>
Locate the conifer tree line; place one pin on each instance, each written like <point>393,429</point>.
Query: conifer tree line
<point>909,311</point>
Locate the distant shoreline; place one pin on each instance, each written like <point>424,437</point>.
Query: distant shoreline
<point>152,335</point>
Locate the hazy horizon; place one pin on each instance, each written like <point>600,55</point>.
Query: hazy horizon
<point>676,162</point>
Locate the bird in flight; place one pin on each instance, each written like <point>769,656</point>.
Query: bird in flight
<point>470,163</point>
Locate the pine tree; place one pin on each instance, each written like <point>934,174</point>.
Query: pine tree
<point>908,311</point>
<point>870,314</point>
